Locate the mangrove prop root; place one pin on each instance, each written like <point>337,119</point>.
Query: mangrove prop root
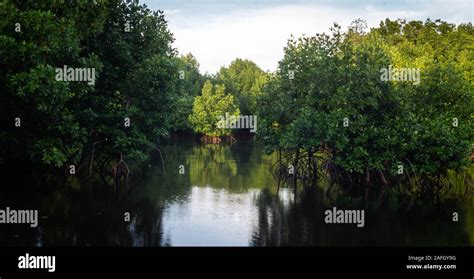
<point>311,164</point>
<point>210,139</point>
<point>162,161</point>
<point>121,168</point>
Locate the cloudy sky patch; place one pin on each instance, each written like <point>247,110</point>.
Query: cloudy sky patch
<point>216,32</point>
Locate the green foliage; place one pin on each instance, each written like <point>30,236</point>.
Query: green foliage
<point>244,80</point>
<point>209,107</point>
<point>136,77</point>
<point>419,44</point>
<point>138,80</point>
<point>49,110</point>
<point>338,77</point>
<point>189,86</point>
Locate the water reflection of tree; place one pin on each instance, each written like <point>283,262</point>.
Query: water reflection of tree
<point>245,152</point>
<point>301,222</point>
<point>82,218</point>
<point>217,166</point>
<point>211,165</point>
<point>469,220</point>
<point>284,224</point>
<point>146,227</point>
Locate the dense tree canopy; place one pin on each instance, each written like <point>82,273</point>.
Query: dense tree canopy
<point>210,107</point>
<point>190,83</point>
<point>328,95</point>
<point>129,48</point>
<point>244,80</point>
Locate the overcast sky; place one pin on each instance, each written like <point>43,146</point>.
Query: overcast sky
<point>216,32</point>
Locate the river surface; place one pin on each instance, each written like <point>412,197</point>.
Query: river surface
<point>220,195</point>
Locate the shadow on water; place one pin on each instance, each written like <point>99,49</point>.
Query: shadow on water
<point>221,195</point>
<point>301,223</point>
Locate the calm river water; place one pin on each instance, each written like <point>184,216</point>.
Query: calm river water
<point>225,197</point>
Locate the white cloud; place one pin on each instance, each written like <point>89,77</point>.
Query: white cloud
<point>261,34</point>
<point>171,12</point>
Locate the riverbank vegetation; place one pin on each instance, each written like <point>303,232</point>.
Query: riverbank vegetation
<point>327,110</point>
<point>120,118</point>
